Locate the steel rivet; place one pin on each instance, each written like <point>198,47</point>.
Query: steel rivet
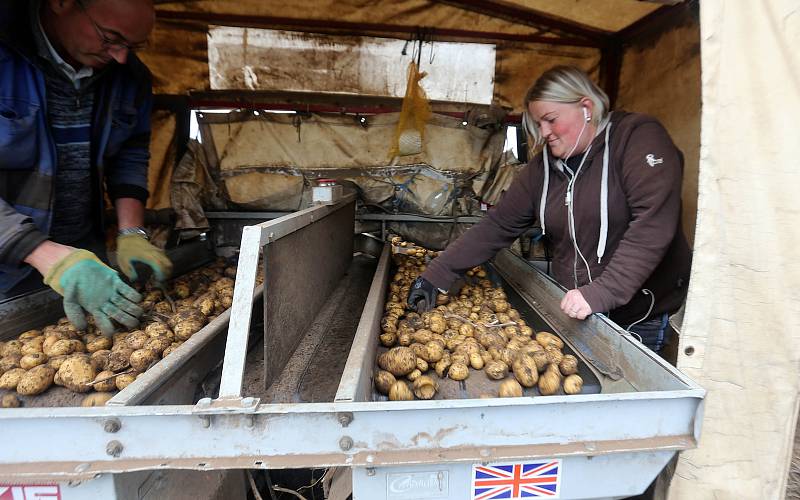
<point>370,471</point>
<point>204,402</point>
<point>112,425</point>
<point>114,448</point>
<point>345,443</point>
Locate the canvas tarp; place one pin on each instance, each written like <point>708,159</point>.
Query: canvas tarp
<point>740,339</point>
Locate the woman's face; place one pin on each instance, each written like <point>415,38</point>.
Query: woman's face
<point>561,123</point>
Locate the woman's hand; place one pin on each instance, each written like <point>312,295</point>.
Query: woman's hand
<point>574,305</point>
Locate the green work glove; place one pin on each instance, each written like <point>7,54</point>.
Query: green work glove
<point>132,248</point>
<point>89,285</point>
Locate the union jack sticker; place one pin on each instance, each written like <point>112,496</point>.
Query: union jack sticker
<point>513,480</point>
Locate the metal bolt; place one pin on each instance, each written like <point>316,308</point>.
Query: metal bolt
<point>114,448</point>
<point>346,443</point>
<point>345,419</point>
<point>205,420</point>
<point>248,401</point>
<point>112,425</point>
<point>370,471</point>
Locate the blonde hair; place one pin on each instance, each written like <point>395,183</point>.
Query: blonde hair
<point>566,84</point>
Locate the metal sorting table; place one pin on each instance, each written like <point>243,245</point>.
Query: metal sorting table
<point>645,410</point>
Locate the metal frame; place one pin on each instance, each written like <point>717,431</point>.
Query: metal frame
<point>234,432</point>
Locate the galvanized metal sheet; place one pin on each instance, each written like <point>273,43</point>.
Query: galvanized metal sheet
<point>302,268</point>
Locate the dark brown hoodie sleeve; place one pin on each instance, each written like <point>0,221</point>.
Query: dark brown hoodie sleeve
<point>653,191</point>
<point>503,224</point>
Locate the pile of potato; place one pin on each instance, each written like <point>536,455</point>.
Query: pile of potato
<point>87,361</point>
<point>477,330</point>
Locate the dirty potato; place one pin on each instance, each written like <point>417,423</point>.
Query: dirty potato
<point>9,362</point>
<point>97,399</point>
<point>568,365</point>
<point>425,387</point>
<point>510,388</point>
<point>525,370</point>
<point>10,401</point>
<point>11,378</point>
<point>549,383</point>
<point>398,361</point>
<point>99,359</point>
<point>124,380</point>
<point>36,380</point>
<point>573,384</point>
<point>76,372</point>
<point>141,359</point>
<point>399,391</point>
<point>30,360</point>
<point>108,383</point>
<point>383,381</point>
<point>496,370</point>
<point>119,359</point>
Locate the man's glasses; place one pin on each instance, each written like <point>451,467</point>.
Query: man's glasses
<point>117,42</point>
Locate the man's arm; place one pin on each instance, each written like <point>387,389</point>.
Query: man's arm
<point>130,212</point>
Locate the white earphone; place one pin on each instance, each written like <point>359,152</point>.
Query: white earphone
<point>586,114</point>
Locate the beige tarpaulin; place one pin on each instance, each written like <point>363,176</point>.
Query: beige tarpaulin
<point>740,337</point>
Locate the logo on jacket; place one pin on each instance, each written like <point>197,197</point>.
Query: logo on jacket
<point>652,160</point>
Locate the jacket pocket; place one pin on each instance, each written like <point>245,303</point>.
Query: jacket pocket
<point>123,121</point>
<point>19,134</point>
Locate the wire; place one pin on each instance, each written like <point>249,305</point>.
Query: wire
<point>645,291</point>
<point>253,486</point>
<point>292,492</point>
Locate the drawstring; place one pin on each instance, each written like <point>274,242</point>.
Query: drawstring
<point>601,243</point>
<point>544,190</point>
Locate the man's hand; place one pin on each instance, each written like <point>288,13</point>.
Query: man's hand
<point>133,248</point>
<point>89,285</point>
<point>422,296</point>
<point>575,306</point>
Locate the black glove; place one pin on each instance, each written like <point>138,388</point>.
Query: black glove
<point>422,296</point>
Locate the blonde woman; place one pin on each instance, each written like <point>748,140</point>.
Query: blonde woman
<point>606,191</point>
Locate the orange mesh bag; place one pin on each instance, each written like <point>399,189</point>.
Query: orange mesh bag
<point>413,115</point>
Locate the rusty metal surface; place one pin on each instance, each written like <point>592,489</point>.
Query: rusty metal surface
<point>304,266</point>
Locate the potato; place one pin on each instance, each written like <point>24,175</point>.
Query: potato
<point>141,359</point>
<point>30,360</point>
<point>508,356</point>
<point>11,378</point>
<point>29,334</point>
<point>425,387</point>
<point>12,347</point>
<point>398,361</point>
<point>97,399</point>
<point>422,365</point>
<point>541,359</point>
<point>162,307</point>
<point>9,362</point>
<point>136,339</point>
<point>188,327</point>
<point>399,391</point>
<point>119,359</point>
<point>99,359</point>
<point>437,323</point>
<point>510,388</point>
<point>422,336</point>
<point>496,370</point>
<point>549,383</point>
<point>76,372</point>
<point>434,351</point>
<point>466,330</point>
<point>158,344</point>
<point>568,365</point>
<point>107,385</point>
<point>459,357</point>
<point>573,384</point>
<point>383,381</point>
<point>526,330</point>
<point>36,380</point>
<point>554,355</point>
<point>458,371</point>
<point>60,348</point>
<point>169,350</point>
<point>476,361</point>
<point>546,339</point>
<point>32,346</point>
<point>414,375</point>
<point>525,370</point>
<point>441,366</point>
<point>10,401</point>
<point>388,339</point>
<point>124,380</point>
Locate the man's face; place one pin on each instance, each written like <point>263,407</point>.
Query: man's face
<point>94,33</point>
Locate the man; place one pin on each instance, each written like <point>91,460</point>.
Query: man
<point>75,107</point>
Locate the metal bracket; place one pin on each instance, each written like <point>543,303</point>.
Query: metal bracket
<point>231,405</point>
